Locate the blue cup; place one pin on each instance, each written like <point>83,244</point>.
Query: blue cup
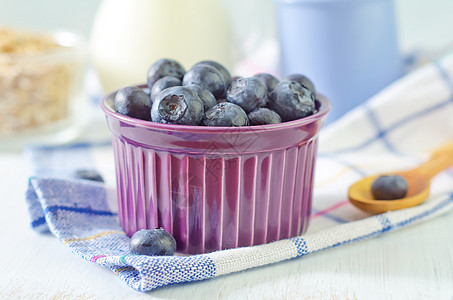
<point>348,48</point>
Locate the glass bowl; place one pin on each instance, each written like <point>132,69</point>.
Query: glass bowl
<point>41,84</point>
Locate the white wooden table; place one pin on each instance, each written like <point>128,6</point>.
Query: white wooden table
<point>415,263</point>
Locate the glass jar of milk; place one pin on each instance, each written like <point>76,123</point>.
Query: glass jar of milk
<point>128,36</point>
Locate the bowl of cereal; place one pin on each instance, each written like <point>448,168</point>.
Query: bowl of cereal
<point>41,80</point>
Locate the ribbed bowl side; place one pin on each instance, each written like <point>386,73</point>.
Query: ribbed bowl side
<point>281,205</point>
<point>217,202</point>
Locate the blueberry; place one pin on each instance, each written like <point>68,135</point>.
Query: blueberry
<point>147,91</point>
<point>248,92</point>
<point>225,73</point>
<point>389,187</point>
<point>164,67</point>
<point>233,80</point>
<point>162,84</point>
<point>291,101</point>
<point>152,242</point>
<point>226,114</point>
<point>206,96</point>
<point>88,175</point>
<point>133,102</point>
<point>177,105</point>
<point>264,116</point>
<point>208,78</point>
<point>269,80</point>
<point>302,79</point>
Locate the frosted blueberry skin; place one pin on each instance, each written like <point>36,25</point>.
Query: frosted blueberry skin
<point>206,77</point>
<point>88,174</point>
<point>177,105</point>
<point>389,187</point>
<point>269,80</point>
<point>152,242</point>
<point>206,96</point>
<point>162,84</point>
<point>133,102</point>
<point>225,73</point>
<point>247,92</point>
<point>291,101</point>
<point>226,114</point>
<point>302,79</point>
<point>264,116</point>
<point>164,67</point>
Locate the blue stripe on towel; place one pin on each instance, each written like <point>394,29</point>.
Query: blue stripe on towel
<point>38,222</point>
<point>83,210</point>
<point>381,133</point>
<point>445,76</point>
<point>396,125</point>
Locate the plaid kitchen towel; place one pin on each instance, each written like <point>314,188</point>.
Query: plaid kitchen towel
<point>395,129</point>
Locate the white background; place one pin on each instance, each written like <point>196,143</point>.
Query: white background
<point>422,24</point>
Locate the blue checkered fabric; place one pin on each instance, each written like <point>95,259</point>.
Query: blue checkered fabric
<point>395,129</point>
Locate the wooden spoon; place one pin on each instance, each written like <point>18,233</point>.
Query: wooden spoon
<point>418,181</point>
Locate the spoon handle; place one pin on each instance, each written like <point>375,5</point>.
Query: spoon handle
<point>440,159</point>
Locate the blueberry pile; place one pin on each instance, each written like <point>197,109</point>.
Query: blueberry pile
<point>208,95</point>
<point>389,187</point>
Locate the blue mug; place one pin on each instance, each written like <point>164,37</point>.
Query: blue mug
<point>348,48</point>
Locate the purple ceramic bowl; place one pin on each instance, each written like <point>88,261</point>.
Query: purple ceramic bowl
<point>215,188</point>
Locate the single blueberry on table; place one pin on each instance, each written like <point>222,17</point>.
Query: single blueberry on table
<point>208,78</point>
<point>291,101</point>
<point>162,84</point>
<point>247,92</point>
<point>152,242</point>
<point>389,187</point>
<point>225,73</point>
<point>269,80</point>
<point>177,105</point>
<point>164,67</point>
<point>302,79</point>
<point>206,96</point>
<point>264,116</point>
<point>226,114</point>
<point>133,102</point>
<point>88,174</point>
